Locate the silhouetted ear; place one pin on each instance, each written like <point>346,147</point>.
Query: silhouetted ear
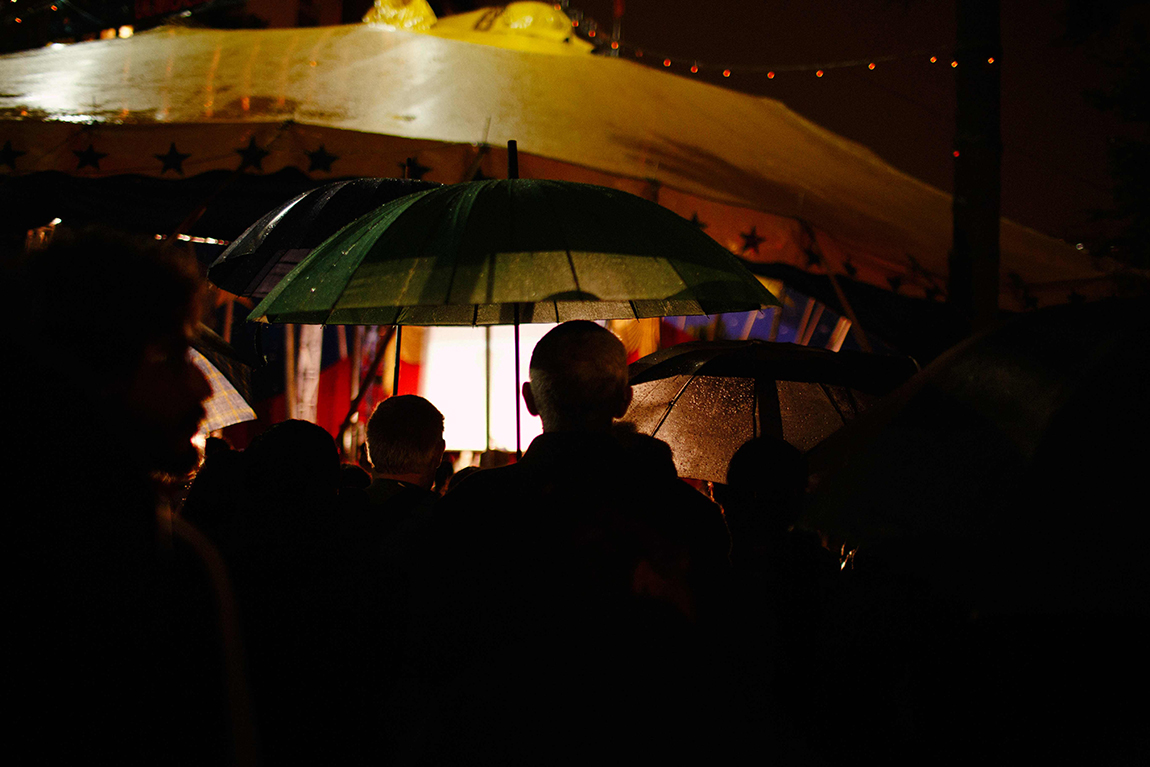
<point>438,452</point>
<point>529,399</point>
<point>625,403</point>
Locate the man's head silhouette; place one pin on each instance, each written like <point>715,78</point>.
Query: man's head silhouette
<point>578,378</point>
<point>118,313</point>
<point>405,439</point>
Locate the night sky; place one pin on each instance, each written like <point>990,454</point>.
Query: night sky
<point>1054,166</point>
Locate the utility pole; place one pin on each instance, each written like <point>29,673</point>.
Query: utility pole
<point>974,258</point>
<point>616,27</point>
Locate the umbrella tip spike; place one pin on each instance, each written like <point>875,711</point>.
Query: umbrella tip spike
<point>512,159</point>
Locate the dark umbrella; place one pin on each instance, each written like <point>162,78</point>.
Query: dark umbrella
<point>511,251</point>
<point>271,247</point>
<point>707,398</point>
<point>1010,471</point>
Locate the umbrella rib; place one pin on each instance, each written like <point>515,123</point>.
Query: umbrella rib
<point>671,406</point>
<point>566,249</point>
<point>834,402</point>
<point>755,414</point>
<point>574,276</point>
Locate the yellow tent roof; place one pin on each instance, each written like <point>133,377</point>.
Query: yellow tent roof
<point>361,100</point>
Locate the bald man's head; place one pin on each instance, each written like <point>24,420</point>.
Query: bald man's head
<point>578,378</point>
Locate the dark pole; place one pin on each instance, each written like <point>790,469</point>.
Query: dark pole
<point>974,258</point>
<point>512,159</point>
<point>395,375</point>
<point>518,429</point>
<point>513,172</point>
<point>487,387</point>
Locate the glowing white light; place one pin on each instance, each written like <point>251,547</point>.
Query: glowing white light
<point>453,379</point>
<point>79,119</point>
<point>202,240</point>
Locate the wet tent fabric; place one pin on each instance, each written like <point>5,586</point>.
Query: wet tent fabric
<point>363,100</point>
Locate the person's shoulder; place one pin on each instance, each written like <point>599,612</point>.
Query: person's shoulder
<point>481,484</point>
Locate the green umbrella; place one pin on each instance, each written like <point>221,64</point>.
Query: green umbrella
<point>508,251</point>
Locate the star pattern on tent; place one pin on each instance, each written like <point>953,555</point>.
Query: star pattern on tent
<point>751,240</point>
<point>8,155</point>
<point>916,267</point>
<point>701,225</point>
<point>894,282</point>
<point>173,160</point>
<point>850,268</point>
<point>320,159</point>
<point>813,258</point>
<point>89,158</point>
<point>1076,298</point>
<point>932,292</point>
<point>412,168</point>
<point>481,176</point>
<point>252,156</point>
<point>1029,301</point>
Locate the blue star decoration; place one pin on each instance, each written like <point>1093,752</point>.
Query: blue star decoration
<point>173,160</point>
<point>751,240</point>
<point>8,155</point>
<point>320,159</point>
<point>252,156</point>
<point>89,158</point>
<point>412,168</point>
<point>700,226</point>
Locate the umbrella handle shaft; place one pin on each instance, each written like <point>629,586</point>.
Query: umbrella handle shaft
<point>395,376</point>
<point>518,428</point>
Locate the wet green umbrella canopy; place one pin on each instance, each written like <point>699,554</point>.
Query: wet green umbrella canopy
<point>477,253</point>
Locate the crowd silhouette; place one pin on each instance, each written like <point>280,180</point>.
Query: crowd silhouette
<point>581,605</point>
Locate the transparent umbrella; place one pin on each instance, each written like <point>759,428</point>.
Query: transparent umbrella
<point>707,398</point>
<point>229,376</point>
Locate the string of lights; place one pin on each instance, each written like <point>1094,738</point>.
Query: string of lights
<point>24,10</point>
<point>771,71</point>
<point>590,29</point>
